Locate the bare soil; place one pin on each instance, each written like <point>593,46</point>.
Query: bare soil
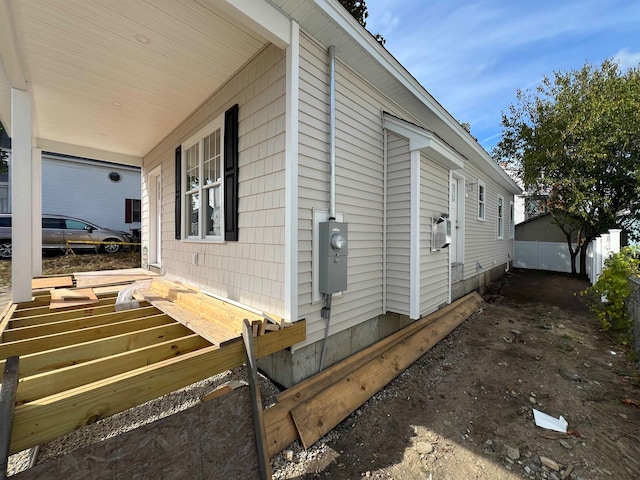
<point>464,410</point>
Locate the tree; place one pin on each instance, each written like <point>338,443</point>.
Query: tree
<point>358,9</point>
<point>577,142</point>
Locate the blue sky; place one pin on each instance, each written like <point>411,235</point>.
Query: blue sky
<point>472,56</point>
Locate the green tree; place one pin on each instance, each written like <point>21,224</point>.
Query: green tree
<point>358,9</point>
<point>577,141</point>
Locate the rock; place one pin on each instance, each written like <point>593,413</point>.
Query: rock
<point>532,400</point>
<point>514,453</point>
<point>527,470</point>
<point>424,448</point>
<point>550,464</point>
<point>566,444</point>
<point>368,474</point>
<point>288,454</point>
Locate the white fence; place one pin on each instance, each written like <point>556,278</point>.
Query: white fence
<point>555,256</point>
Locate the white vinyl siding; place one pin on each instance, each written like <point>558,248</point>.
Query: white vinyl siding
<point>398,223</point>
<point>434,266</point>
<point>250,270</point>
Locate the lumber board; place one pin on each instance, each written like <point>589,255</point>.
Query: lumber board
<point>81,312</point>
<point>188,298</point>
<point>52,282</point>
<point>48,342</point>
<point>217,333</point>
<point>256,403</point>
<point>50,417</point>
<point>46,361</point>
<point>281,430</point>
<point>44,309</point>
<point>209,440</point>
<point>6,317</point>
<point>65,297</point>
<point>318,415</point>
<point>7,407</point>
<point>33,331</point>
<point>111,277</point>
<point>56,381</point>
<point>223,389</point>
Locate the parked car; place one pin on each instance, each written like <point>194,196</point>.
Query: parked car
<point>60,232</point>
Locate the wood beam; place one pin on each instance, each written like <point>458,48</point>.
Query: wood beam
<point>48,418</point>
<point>40,344</point>
<point>78,312</point>
<point>56,381</point>
<point>40,330</point>
<point>44,308</point>
<point>49,360</point>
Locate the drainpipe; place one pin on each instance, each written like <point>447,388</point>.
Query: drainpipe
<point>326,310</point>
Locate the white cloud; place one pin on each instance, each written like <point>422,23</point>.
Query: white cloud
<point>627,59</point>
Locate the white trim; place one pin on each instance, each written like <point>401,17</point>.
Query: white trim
<point>512,218</point>
<point>88,152</point>
<point>21,197</point>
<point>36,195</point>
<point>484,201</point>
<point>154,254</point>
<point>260,17</point>
<point>425,141</point>
<point>452,226</point>
<point>291,177</point>
<point>414,244</point>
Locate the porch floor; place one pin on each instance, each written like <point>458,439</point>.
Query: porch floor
<point>84,362</point>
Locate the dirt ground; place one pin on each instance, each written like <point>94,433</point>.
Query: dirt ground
<point>464,410</point>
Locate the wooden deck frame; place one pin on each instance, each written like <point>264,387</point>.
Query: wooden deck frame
<point>78,365</point>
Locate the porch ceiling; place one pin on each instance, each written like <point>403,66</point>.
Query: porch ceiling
<point>117,75</point>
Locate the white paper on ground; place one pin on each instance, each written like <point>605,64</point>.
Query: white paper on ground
<point>550,423</point>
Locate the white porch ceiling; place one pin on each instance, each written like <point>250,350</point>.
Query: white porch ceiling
<point>119,75</point>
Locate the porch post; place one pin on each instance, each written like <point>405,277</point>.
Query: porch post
<point>21,197</point>
<point>36,195</point>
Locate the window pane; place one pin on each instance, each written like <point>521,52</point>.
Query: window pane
<point>481,210</point>
<point>214,212</point>
<point>193,211</point>
<point>212,158</point>
<point>75,225</point>
<point>192,168</point>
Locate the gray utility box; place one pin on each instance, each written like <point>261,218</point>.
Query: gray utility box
<point>332,256</point>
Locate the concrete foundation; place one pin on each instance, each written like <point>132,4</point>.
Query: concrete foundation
<point>288,368</point>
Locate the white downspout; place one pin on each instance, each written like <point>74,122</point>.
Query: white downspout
<point>384,219</point>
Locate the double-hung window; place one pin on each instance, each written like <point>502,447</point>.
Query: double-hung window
<point>482,193</point>
<point>203,183</point>
<point>500,218</point>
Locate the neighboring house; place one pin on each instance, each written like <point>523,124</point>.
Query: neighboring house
<point>104,193</point>
<point>231,120</point>
<point>527,204</point>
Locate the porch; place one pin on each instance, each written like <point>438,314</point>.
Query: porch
<point>90,359</point>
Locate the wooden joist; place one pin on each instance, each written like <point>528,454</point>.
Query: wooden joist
<point>281,430</point>
<point>48,342</point>
<point>52,416</point>
<point>44,309</point>
<point>50,360</point>
<point>55,316</point>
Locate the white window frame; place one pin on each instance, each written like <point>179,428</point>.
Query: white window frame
<point>500,217</point>
<point>201,190</point>
<point>482,201</point>
<point>512,227</point>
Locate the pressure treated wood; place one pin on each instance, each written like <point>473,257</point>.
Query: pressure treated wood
<point>62,357</point>
<point>5,319</point>
<point>55,316</point>
<point>44,309</point>
<point>281,430</point>
<point>50,417</point>
<point>52,282</point>
<point>7,406</point>
<point>318,415</point>
<point>48,342</point>
<point>212,440</point>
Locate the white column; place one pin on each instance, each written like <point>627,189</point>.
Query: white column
<point>21,198</point>
<point>36,195</point>
<point>614,240</point>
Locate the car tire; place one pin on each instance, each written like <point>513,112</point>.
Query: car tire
<point>5,249</point>
<point>112,248</point>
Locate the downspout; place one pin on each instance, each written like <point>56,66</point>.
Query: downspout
<point>326,310</point>
<point>384,219</point>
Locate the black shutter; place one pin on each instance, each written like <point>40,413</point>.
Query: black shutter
<point>178,212</point>
<point>231,174</point>
<point>128,209</point>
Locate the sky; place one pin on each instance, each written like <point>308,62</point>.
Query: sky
<point>473,56</point>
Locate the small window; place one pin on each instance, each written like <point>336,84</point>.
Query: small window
<point>132,209</point>
<point>482,193</point>
<point>500,218</point>
<point>53,223</point>
<point>5,221</point>
<point>75,225</point>
<point>512,225</point>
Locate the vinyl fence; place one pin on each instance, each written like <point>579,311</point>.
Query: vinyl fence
<point>555,256</point>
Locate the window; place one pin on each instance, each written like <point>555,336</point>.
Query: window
<point>512,226</point>
<point>132,208</point>
<point>500,217</point>
<point>75,225</point>
<point>482,193</point>
<point>202,187</point>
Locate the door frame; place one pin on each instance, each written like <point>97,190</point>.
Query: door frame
<point>154,195</point>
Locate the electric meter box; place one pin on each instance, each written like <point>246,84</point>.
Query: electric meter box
<point>333,244</point>
<point>441,234</point>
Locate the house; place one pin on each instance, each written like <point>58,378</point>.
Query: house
<point>104,193</point>
<point>254,123</point>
